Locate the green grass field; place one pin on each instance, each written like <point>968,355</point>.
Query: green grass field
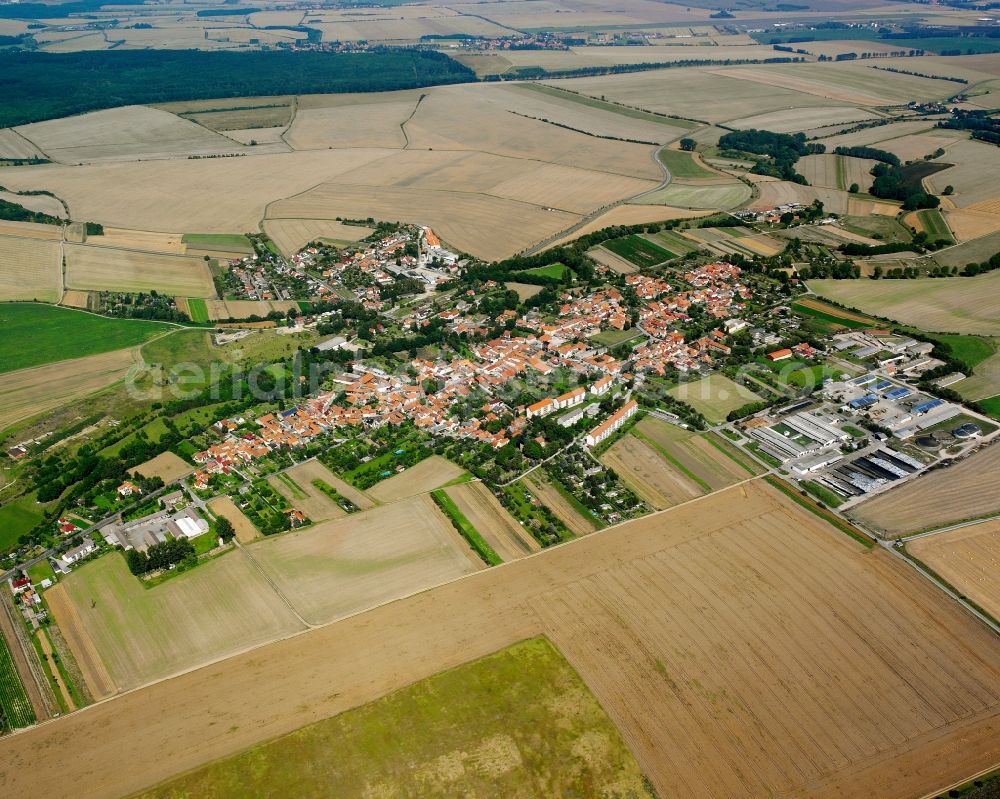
<point>681,164</point>
<point>832,315</point>
<point>714,396</point>
<point>32,334</point>
<point>991,407</point>
<point>557,271</point>
<point>612,338</point>
<point>198,309</point>
<point>17,518</point>
<point>882,228</point>
<point>709,196</point>
<point>970,350</point>
<point>510,725</point>
<point>935,224</point>
<point>639,251</point>
<point>236,242</point>
<point>15,709</point>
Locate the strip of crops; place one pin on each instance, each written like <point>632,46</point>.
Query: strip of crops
<point>15,708</point>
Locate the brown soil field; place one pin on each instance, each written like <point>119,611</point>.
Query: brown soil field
<point>539,486</point>
<point>211,195</point>
<point>242,309</point>
<point>95,673</point>
<point>291,235</point>
<point>29,392</point>
<point>724,639</point>
<point>106,269</point>
<point>124,134</point>
<point>316,505</point>
<point>963,491</point>
<point>224,506</point>
<point>951,304</point>
<point>508,539</point>
<point>40,203</point>
<point>348,565</point>
<point>14,145</point>
<point>30,269</point>
<point>143,634</point>
<point>969,559</point>
<point>77,299</point>
<point>166,466</point>
<point>524,291</point>
<point>648,474</point>
<point>430,473</point>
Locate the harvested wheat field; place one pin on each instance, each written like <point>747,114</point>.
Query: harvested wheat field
<point>951,304</point>
<point>508,538</point>
<point>372,125</point>
<point>540,486</point>
<point>28,392</point>
<point>95,673</point>
<point>14,146</point>
<point>969,224</point>
<point>106,269</point>
<point>430,473</point>
<point>124,133</point>
<point>244,309</point>
<point>167,466</point>
<point>224,506</point>
<point>39,203</point>
<point>211,195</point>
<point>296,484</point>
<point>152,241</point>
<point>630,215</point>
<point>781,192</point>
<point>694,455</point>
<point>30,269</point>
<point>78,299</point>
<point>488,227</point>
<point>976,164</point>
<point>836,171</point>
<point>969,559</point>
<point>723,638</point>
<point>524,291</point>
<point>219,608</point>
<point>801,119</point>
<point>30,230</point>
<point>347,565</point>
<point>715,396</point>
<point>963,491</point>
<point>646,472</point>
<point>291,235</point>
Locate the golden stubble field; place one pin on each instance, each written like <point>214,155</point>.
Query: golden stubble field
<point>30,269</point>
<point>428,474</point>
<point>354,563</point>
<point>969,559</point>
<point>725,639</point>
<point>951,304</point>
<point>508,538</point>
<point>105,269</point>
<point>28,392</point>
<point>966,490</point>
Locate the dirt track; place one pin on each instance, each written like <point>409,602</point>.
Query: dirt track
<point>726,638</point>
